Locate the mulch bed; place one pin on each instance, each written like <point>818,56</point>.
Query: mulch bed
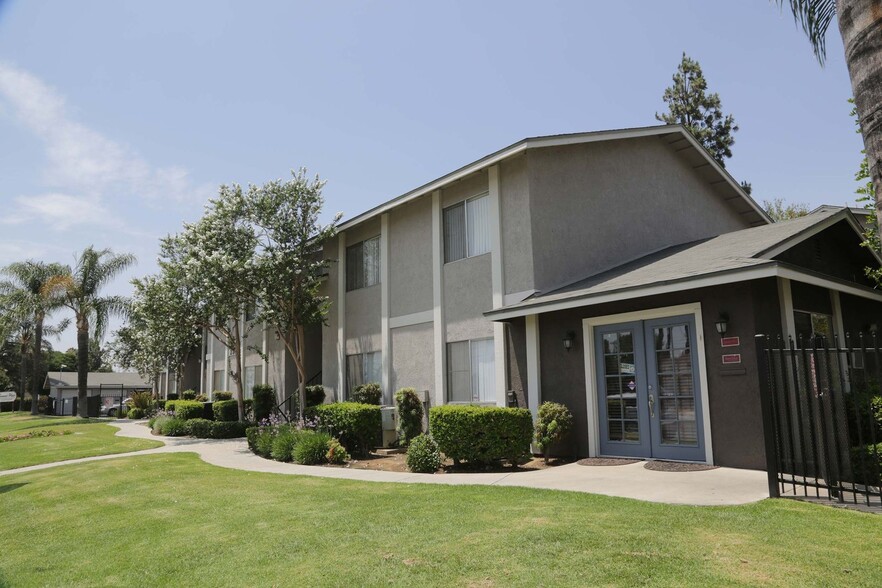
<point>676,466</point>
<point>605,461</point>
<point>396,463</point>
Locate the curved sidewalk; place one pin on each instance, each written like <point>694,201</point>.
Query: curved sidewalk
<point>721,486</point>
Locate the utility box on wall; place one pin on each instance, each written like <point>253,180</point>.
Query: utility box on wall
<point>389,418</point>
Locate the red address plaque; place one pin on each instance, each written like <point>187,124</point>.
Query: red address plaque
<point>730,341</point>
<point>731,358</point>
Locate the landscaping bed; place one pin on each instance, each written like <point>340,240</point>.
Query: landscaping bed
<point>397,462</point>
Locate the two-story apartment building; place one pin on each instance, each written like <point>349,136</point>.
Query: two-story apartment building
<point>589,269</point>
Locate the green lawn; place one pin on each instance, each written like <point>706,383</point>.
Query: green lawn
<point>172,520</point>
<point>88,438</point>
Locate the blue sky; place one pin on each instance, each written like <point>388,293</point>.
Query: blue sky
<point>119,119</point>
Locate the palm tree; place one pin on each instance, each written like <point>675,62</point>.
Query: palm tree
<point>80,290</point>
<point>860,24</point>
<point>28,296</point>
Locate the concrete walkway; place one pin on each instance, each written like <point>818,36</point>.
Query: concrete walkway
<point>721,486</point>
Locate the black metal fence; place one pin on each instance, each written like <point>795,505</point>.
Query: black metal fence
<point>822,416</point>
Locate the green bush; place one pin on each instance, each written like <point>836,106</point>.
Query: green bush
<point>188,395</point>
<point>174,427</point>
<point>199,428</point>
<point>228,429</point>
<point>201,398</point>
<point>226,410</point>
<point>142,400</point>
<point>264,401</point>
<point>260,440</point>
<point>171,396</point>
<point>283,443</point>
<point>423,456</point>
<point>136,413</point>
<point>866,463</point>
<point>337,454</point>
<point>357,426</point>
<point>369,393</point>
<point>160,404</point>
<point>410,415</point>
<point>554,423</point>
<point>311,447</point>
<point>481,434</point>
<point>315,395</point>
<point>186,409</point>
<point>221,395</point>
<point>156,423</point>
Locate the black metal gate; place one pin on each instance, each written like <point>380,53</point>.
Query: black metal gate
<point>822,417</point>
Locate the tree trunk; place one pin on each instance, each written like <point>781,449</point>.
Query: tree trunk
<point>37,364</point>
<point>236,348</point>
<point>23,376</point>
<point>301,372</point>
<point>83,367</point>
<point>860,24</point>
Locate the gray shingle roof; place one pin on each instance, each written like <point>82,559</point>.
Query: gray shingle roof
<point>733,251</point>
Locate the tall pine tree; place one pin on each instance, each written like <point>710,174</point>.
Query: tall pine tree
<point>689,104</point>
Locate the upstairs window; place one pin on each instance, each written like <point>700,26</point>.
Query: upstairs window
<point>467,228</point>
<point>363,264</point>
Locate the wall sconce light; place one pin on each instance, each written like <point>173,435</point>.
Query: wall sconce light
<point>569,339</point>
<point>722,324</point>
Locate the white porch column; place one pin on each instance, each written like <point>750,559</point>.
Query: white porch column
<point>785,298</point>
<point>439,328</point>
<point>341,316</point>
<point>385,334</point>
<point>839,331</point>
<point>497,278</point>
<point>534,390</point>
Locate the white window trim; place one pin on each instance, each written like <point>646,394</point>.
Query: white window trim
<point>588,326</point>
<point>447,400</point>
<point>465,217</point>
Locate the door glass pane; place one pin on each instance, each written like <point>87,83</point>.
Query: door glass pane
<point>676,387</point>
<point>621,387</point>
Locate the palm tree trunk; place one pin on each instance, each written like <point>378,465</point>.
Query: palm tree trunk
<point>83,367</point>
<point>860,24</point>
<point>23,375</point>
<point>36,384</point>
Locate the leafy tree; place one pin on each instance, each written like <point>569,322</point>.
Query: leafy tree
<point>80,290</point>
<point>860,25</point>
<point>29,297</point>
<point>288,261</point>
<point>213,259</point>
<point>690,105</point>
<point>779,210</point>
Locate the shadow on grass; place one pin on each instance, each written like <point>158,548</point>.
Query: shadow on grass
<point>3,490</point>
<point>57,421</point>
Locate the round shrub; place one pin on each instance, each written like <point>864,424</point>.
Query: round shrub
<point>158,422</point>
<point>482,434</point>
<point>188,395</point>
<point>136,413</point>
<point>357,426</point>
<point>222,395</point>
<point>410,415</point>
<point>171,396</point>
<point>311,448</point>
<point>174,427</point>
<point>552,425</point>
<point>186,409</point>
<point>264,401</point>
<point>199,428</point>
<point>337,454</point>
<point>423,456</point>
<point>369,393</point>
<point>226,410</point>
<point>228,429</point>
<point>283,443</point>
<point>315,395</point>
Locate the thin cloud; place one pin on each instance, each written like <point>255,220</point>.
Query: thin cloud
<point>57,211</point>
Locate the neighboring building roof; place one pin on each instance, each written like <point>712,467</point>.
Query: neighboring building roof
<point>96,380</point>
<point>679,134</point>
<point>730,257</point>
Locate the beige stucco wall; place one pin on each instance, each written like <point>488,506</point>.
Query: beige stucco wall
<point>468,295</point>
<point>517,235</point>
<point>413,362</point>
<point>410,257</point>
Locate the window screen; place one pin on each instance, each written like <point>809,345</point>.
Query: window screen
<point>471,374</point>
<point>467,229</point>
<point>363,264</point>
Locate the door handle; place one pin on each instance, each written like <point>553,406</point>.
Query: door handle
<point>651,406</point>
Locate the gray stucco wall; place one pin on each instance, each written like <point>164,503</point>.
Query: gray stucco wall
<point>597,205</point>
<point>472,185</point>
<point>517,235</point>
<point>329,330</point>
<point>413,360</point>
<point>468,294</point>
<point>410,257</point>
<point>736,425</point>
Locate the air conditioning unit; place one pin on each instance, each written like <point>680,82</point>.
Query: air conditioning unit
<point>389,417</point>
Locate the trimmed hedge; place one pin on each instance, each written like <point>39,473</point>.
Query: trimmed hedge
<point>199,428</point>
<point>226,410</point>
<point>482,434</point>
<point>222,395</point>
<point>357,426</point>
<point>173,427</point>
<point>188,395</point>
<point>229,429</point>
<point>315,395</point>
<point>185,409</point>
<point>136,413</point>
<point>369,393</point>
<point>311,448</point>
<point>264,401</point>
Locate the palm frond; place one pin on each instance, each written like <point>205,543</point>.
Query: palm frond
<point>814,16</point>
